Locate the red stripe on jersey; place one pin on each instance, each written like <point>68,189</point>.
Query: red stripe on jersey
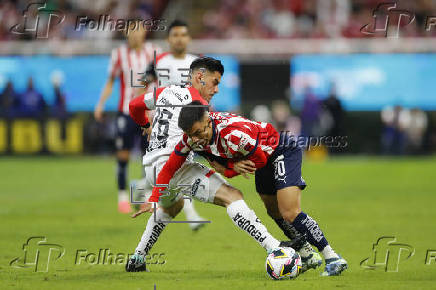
<point>220,148</point>
<point>159,91</point>
<point>122,85</point>
<point>196,96</point>
<point>209,174</point>
<point>117,65</point>
<point>122,97</point>
<point>129,62</point>
<point>160,56</point>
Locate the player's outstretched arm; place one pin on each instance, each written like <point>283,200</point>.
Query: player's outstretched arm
<point>107,91</point>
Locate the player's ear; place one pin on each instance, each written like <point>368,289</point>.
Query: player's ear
<point>197,76</point>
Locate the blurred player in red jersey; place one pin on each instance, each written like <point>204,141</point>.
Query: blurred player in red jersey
<point>172,68</point>
<point>126,61</point>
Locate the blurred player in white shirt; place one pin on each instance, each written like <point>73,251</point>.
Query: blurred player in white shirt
<point>172,68</point>
<point>126,61</point>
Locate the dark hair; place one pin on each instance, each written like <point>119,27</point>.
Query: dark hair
<point>209,63</point>
<point>177,23</point>
<point>190,114</point>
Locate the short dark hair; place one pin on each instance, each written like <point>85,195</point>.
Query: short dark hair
<point>209,63</point>
<point>177,23</point>
<point>190,114</point>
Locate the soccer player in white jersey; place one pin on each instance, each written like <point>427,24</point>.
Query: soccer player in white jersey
<point>172,68</point>
<point>202,183</point>
<point>126,61</point>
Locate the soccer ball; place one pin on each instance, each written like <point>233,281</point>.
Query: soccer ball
<point>283,263</point>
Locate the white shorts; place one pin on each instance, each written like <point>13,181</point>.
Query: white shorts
<point>193,179</point>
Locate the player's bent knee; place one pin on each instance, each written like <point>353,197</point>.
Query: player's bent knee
<point>175,208</point>
<point>123,155</point>
<point>226,195</point>
<point>235,194</point>
<point>290,214</point>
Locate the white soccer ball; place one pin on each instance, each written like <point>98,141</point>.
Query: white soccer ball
<point>283,263</point>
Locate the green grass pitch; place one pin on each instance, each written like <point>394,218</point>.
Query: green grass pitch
<point>72,202</point>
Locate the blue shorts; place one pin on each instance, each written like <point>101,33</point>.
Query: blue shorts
<point>283,169</point>
<point>127,133</point>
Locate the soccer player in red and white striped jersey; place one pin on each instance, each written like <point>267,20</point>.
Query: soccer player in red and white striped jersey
<point>246,146</point>
<point>126,63</point>
<point>227,136</point>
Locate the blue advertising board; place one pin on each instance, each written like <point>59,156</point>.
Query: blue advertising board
<point>367,82</point>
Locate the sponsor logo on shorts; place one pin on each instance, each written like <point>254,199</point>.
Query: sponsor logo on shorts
<point>195,187</point>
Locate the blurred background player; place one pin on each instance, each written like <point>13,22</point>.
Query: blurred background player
<point>172,68</point>
<point>126,63</point>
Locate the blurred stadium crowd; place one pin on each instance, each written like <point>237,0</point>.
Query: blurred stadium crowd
<point>233,19</point>
<point>11,13</point>
<point>403,130</point>
<point>30,103</point>
<point>304,18</point>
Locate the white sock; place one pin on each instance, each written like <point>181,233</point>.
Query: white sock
<point>152,231</point>
<point>190,212</point>
<point>243,217</point>
<point>328,253</point>
<point>122,195</point>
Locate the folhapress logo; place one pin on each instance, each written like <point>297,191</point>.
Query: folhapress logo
<point>37,20</point>
<point>388,20</point>
<point>387,253</point>
<point>38,254</point>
